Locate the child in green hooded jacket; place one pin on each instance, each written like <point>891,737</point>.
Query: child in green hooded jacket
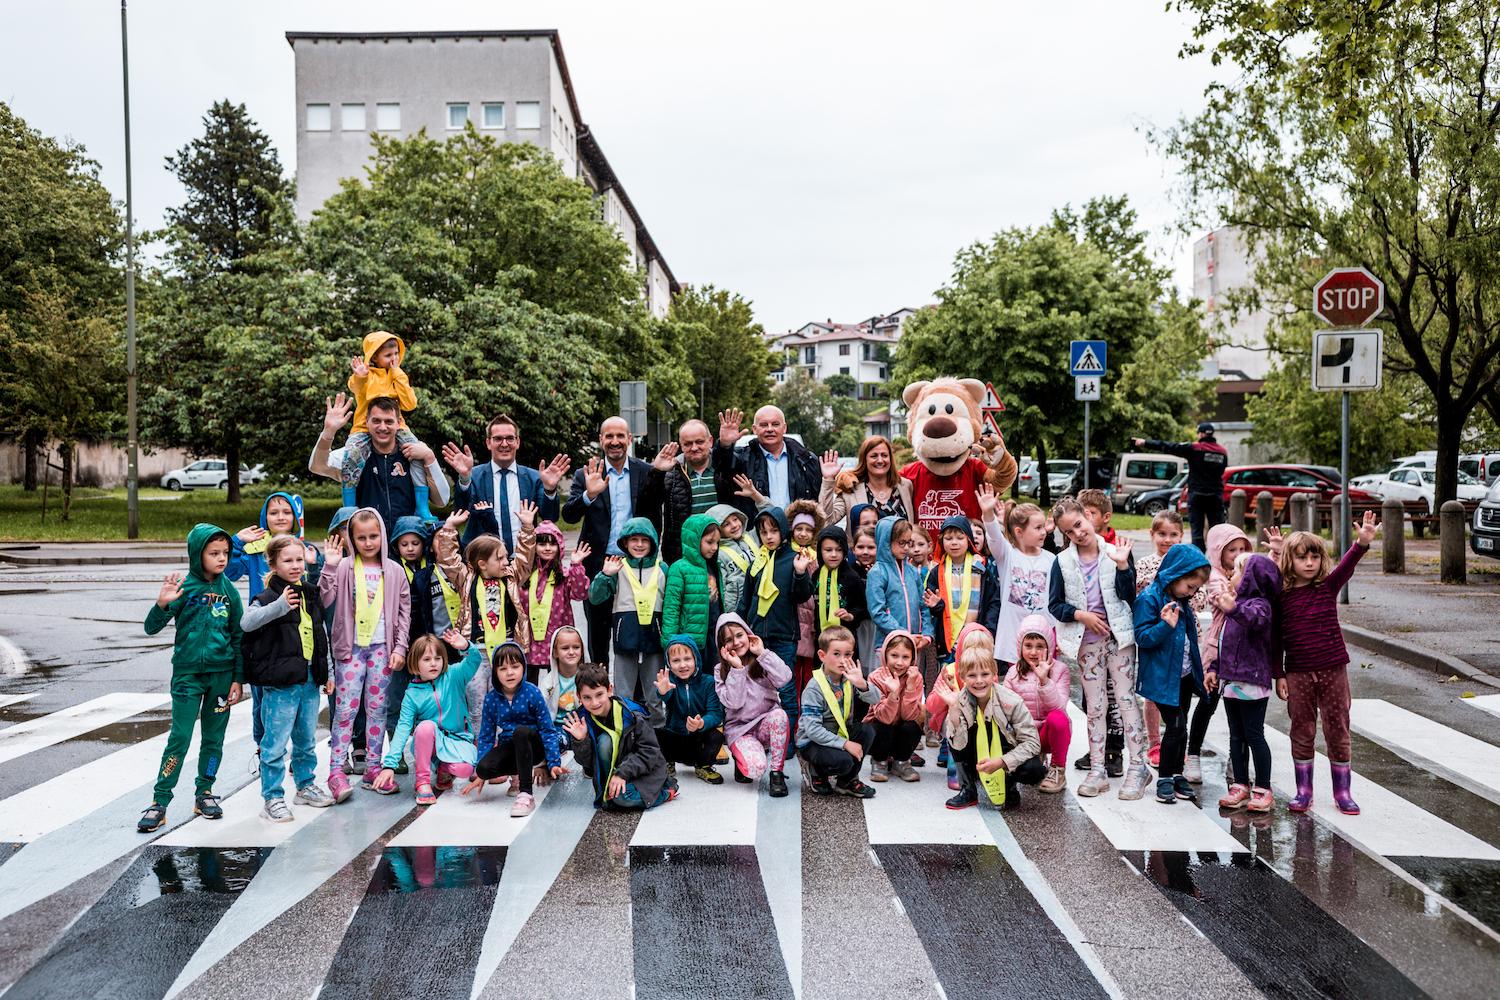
<point>691,605</point>
<point>207,668</point>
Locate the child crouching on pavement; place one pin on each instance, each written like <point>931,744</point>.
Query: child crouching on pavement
<point>828,741</point>
<point>694,732</point>
<point>434,716</point>
<point>516,735</point>
<point>897,720</point>
<point>990,731</point>
<point>614,743</point>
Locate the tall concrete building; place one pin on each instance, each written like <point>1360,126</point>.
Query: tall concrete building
<point>512,85</point>
<point>1241,359</point>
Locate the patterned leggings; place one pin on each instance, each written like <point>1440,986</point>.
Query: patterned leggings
<point>1098,660</point>
<point>368,672</point>
<point>762,748</point>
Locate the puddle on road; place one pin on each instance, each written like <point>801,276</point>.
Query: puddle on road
<point>199,869</point>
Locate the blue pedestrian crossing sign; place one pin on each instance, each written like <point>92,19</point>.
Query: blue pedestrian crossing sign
<point>1087,357</point>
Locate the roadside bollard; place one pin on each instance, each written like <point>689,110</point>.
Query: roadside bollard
<point>1265,510</point>
<point>1452,554</point>
<point>1296,511</point>
<point>1392,536</point>
<point>1237,509</point>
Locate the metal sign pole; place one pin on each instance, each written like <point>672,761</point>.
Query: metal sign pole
<point>132,445</point>
<point>1087,483</point>
<point>1343,532</point>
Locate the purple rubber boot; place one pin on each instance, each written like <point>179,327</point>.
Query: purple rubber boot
<point>1341,796</point>
<point>1303,801</point>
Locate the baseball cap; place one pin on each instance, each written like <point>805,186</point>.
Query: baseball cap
<point>1205,428</point>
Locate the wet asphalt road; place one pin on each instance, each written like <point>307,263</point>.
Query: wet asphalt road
<point>1041,901</point>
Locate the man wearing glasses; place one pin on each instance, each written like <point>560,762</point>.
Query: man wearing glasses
<point>492,491</point>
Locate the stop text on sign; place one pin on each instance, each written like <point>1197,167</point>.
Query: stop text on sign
<point>1348,296</point>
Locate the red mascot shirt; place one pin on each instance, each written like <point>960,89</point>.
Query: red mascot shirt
<point>941,497</point>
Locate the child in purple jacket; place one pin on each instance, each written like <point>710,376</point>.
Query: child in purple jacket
<point>1242,673</point>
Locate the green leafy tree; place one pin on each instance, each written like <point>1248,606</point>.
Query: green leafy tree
<point>509,289</point>
<point>1363,134</point>
<point>1015,302</point>
<point>842,385</point>
<point>64,369</point>
<point>725,348</point>
<point>232,304</point>
<point>60,242</point>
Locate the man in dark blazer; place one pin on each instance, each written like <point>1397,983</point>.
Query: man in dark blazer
<point>606,493</point>
<point>497,513</point>
<point>780,469</point>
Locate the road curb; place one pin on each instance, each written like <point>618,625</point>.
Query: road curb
<point>164,558</point>
<point>1416,656</point>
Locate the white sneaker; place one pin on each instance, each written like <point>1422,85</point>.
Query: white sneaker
<point>276,811</point>
<point>1192,769</point>
<point>313,796</point>
<point>1095,783</point>
<point>1136,780</point>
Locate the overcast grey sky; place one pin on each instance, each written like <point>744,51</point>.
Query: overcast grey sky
<point>824,159</point>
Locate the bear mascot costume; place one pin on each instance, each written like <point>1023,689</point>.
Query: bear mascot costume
<point>943,421</point>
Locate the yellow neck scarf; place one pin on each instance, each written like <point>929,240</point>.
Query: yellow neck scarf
<point>766,591</point>
<point>994,782</point>
<point>828,598</point>
<point>839,712</point>
<point>366,608</point>
<point>644,592</point>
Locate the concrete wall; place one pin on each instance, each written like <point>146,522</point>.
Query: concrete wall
<point>423,75</point>
<point>97,463</point>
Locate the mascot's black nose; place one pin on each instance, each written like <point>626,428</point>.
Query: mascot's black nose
<point>939,427</point>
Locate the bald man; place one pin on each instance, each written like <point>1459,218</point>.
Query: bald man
<point>780,468</point>
<point>682,484</point>
<point>606,493</point>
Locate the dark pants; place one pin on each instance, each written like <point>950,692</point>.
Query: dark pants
<point>836,763</point>
<point>1247,738</point>
<point>601,623</point>
<point>1204,511</point>
<point>1031,771</point>
<point>395,693</point>
<point>202,699</point>
<point>791,697</point>
<point>517,755</point>
<point>1202,716</point>
<point>1174,729</point>
<point>897,741</point>
<point>698,749</point>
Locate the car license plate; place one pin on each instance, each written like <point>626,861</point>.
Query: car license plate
<point>1485,544</point>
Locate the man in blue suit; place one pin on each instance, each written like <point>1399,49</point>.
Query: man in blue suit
<point>606,493</point>
<point>493,491</point>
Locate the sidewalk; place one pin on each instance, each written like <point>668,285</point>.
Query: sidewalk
<point>90,553</point>
<point>1416,619</point>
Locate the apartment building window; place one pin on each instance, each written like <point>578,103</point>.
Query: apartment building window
<point>493,115</point>
<point>458,115</point>
<point>869,354</point>
<point>844,370</point>
<point>844,351</point>
<point>388,117</point>
<point>809,355</point>
<point>528,114</point>
<point>352,117</point>
<point>319,118</point>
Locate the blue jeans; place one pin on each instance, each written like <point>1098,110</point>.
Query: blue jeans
<point>289,714</point>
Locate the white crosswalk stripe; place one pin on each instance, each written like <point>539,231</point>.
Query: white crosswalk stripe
<point>14,699</point>
<point>1144,824</point>
<point>1388,825</point>
<point>55,803</point>
<point>242,825</point>
<point>1487,702</point>
<point>914,813</point>
<point>702,815</point>
<point>479,820</point>
<point>34,734</point>
<point>1460,758</point>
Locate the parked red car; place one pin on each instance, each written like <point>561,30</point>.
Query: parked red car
<point>1282,481</point>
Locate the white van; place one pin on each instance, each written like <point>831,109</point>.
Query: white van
<point>1483,466</point>
<point>1141,471</point>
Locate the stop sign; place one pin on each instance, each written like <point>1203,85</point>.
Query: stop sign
<point>1348,296</point>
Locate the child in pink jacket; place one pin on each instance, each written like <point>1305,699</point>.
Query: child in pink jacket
<point>1042,682</point>
<point>898,716</point>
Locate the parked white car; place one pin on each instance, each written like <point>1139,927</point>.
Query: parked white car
<point>204,474</point>
<point>1421,485</point>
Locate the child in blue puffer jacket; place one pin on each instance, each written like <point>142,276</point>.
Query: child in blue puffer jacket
<point>515,730</point>
<point>1169,669</point>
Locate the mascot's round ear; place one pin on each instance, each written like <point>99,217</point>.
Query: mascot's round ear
<point>975,389</point>
<point>914,389</point>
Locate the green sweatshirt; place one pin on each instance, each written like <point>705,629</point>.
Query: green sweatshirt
<point>207,615</point>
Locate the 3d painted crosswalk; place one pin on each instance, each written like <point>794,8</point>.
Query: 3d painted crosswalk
<point>74,824</point>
